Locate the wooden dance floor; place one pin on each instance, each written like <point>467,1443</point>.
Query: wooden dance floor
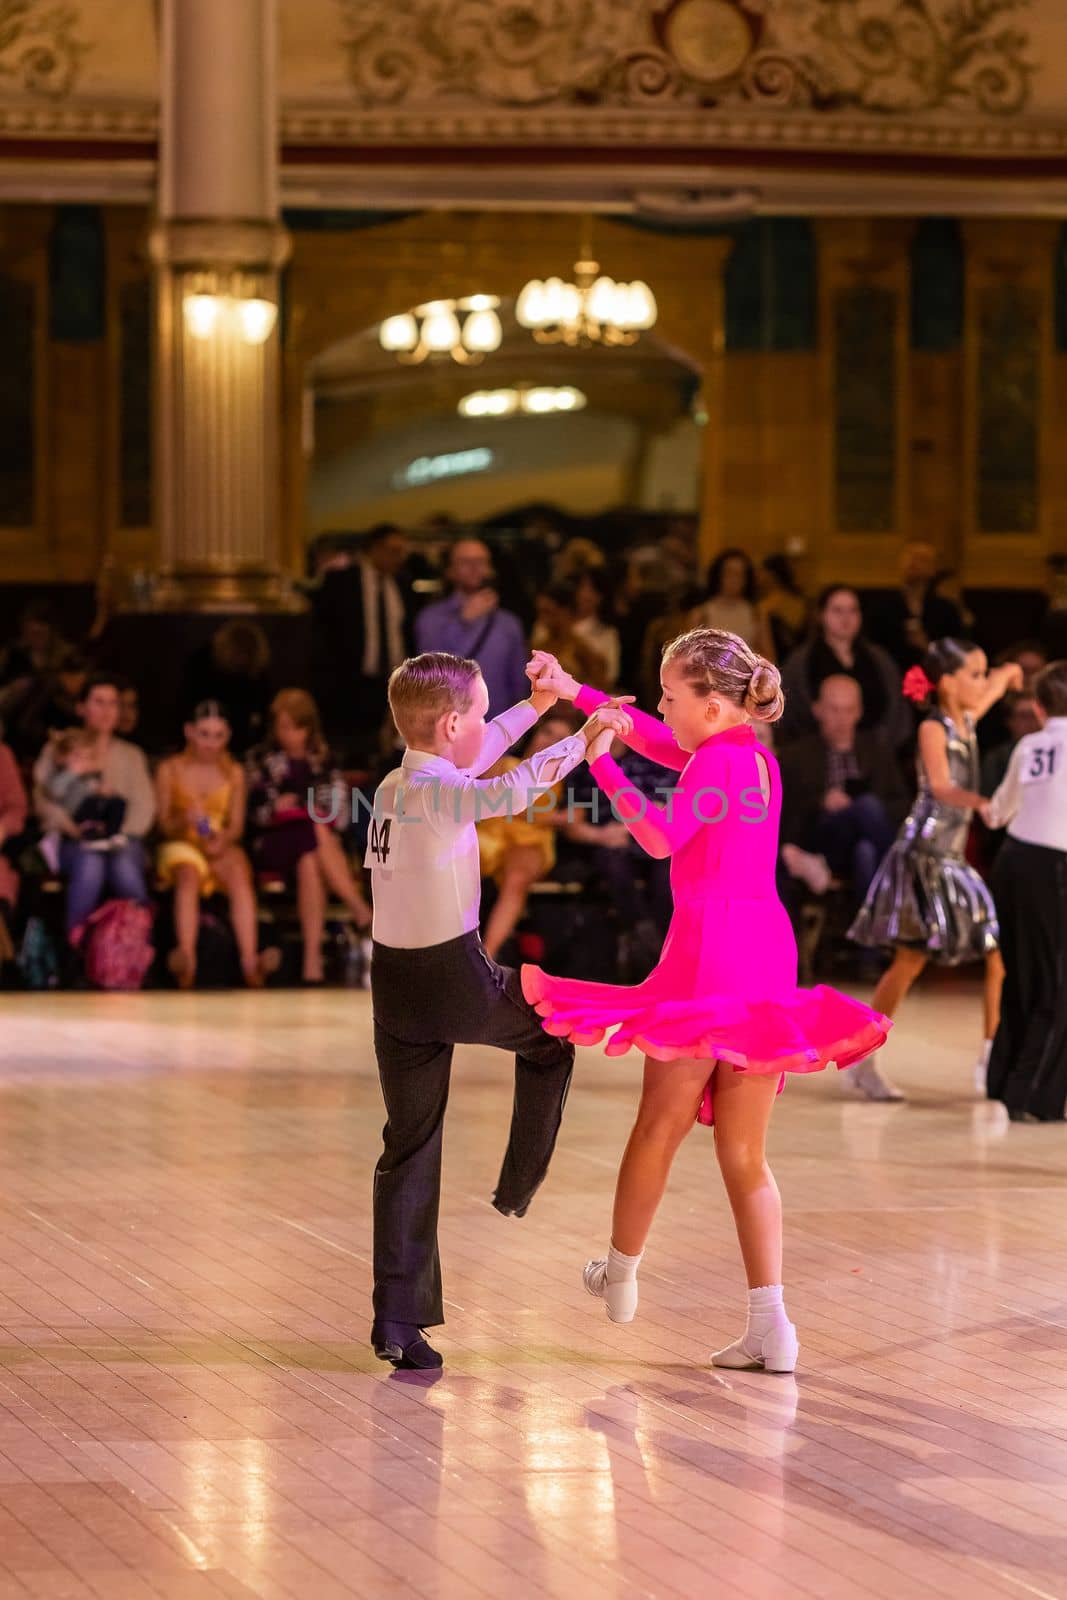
<point>188,1407</point>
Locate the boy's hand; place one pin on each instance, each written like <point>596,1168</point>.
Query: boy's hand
<point>606,722</point>
<point>548,677</point>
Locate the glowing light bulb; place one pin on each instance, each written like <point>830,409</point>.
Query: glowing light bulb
<point>257,318</point>
<point>202,312</point>
<point>399,333</point>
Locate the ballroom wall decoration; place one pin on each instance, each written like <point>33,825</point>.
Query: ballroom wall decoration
<point>40,49</point>
<point>879,56</point>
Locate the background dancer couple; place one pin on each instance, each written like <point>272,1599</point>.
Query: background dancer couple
<point>720,1019</point>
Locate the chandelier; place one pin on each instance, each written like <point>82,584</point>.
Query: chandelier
<point>526,400</point>
<point>467,330</point>
<point>594,309</point>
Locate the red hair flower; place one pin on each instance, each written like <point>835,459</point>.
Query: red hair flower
<point>917,686</point>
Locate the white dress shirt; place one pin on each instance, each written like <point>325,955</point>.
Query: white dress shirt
<point>422,850</point>
<point>1032,799</point>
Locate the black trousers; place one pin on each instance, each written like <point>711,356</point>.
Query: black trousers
<point>1028,1064</point>
<point>426,1001</point>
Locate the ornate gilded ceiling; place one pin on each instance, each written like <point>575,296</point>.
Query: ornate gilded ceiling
<point>887,56</point>
<point>700,82</point>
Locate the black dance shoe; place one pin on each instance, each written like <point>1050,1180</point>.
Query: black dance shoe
<point>404,1346</point>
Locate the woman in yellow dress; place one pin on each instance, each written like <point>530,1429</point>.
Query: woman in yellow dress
<point>201,795</point>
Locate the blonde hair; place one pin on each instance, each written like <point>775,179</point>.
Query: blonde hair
<point>423,688</point>
<point>300,708</point>
<point>715,662</point>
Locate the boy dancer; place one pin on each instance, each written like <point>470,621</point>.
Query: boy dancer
<point>1028,1064</point>
<point>433,985</point>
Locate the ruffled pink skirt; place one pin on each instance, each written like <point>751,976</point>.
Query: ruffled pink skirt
<point>803,1031</point>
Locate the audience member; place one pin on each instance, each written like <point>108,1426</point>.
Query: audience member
<point>1054,623</point>
<point>838,647</point>
<point>287,775</point>
<point>906,620</point>
<point>518,850</point>
<point>13,809</point>
<point>640,600</point>
<point>730,602</point>
<point>591,604</point>
<point>201,795</point>
<point>129,710</point>
<point>93,867</point>
<point>50,702</point>
<point>637,885</point>
<point>232,669</point>
<point>577,557</point>
<point>783,606</point>
<point>35,651</point>
<point>1021,717</point>
<point>843,796</point>
<point>556,631</point>
<point>472,623</point>
<point>362,631</point>
<point>994,730</point>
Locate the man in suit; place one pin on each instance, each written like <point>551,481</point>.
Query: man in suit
<point>362,620</point>
<point>843,796</point>
<point>471,623</point>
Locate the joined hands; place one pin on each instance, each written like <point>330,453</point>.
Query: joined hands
<point>549,683</point>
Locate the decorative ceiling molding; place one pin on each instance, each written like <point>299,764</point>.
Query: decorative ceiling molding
<point>883,56</point>
<point>41,49</point>
<point>463,127</point>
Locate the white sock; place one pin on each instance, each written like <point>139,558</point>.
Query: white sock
<point>985,1053</point>
<point>766,1310</point>
<point>622,1268</point>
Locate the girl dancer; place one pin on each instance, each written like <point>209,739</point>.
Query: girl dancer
<point>720,1019</point>
<point>926,901</point>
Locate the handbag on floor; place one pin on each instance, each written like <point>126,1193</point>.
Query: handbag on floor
<point>116,944</point>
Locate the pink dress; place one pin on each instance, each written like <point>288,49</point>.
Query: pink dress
<point>725,987</point>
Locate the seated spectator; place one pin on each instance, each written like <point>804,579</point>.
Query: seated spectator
<point>129,710</point>
<point>93,873</point>
<point>287,842</point>
<point>232,669</point>
<point>202,817</point>
<point>782,604</point>
<point>839,647</point>
<point>578,556</point>
<point>472,623</point>
<point>556,631</point>
<point>35,651</point>
<point>13,808</point>
<point>843,796</point>
<point>730,602</point>
<point>50,702</point>
<point>637,886</point>
<point>1020,718</point>
<point>518,851</point>
<point>79,789</point>
<point>591,605</point>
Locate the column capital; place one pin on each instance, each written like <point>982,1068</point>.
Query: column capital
<point>209,243</point>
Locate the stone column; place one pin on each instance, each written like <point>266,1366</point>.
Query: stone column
<point>218,236</point>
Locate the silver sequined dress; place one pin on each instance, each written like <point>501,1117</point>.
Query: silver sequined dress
<point>925,893</point>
